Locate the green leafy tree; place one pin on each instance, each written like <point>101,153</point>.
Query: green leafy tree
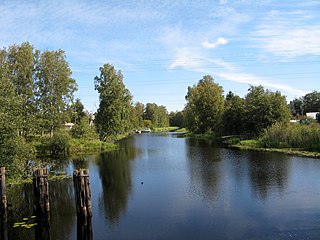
<point>205,105</point>
<point>55,89</point>
<point>234,114</point>
<point>176,119</point>
<point>151,113</point>
<point>14,152</point>
<point>147,123</point>
<point>311,102</point>
<point>264,108</point>
<point>136,115</point>
<point>113,114</point>
<point>82,129</point>
<point>158,115</point>
<point>163,117</point>
<point>139,111</point>
<point>21,59</point>
<point>76,111</point>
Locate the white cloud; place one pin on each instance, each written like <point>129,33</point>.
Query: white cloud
<point>289,34</point>
<point>293,42</point>
<point>193,59</point>
<point>220,41</point>
<point>59,22</point>
<point>221,63</point>
<point>255,80</point>
<point>189,59</point>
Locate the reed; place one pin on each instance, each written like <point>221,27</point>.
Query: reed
<point>279,135</point>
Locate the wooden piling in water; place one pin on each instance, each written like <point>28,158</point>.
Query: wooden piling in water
<point>83,203</point>
<point>84,229</point>
<point>3,195</point>
<point>82,193</point>
<point>41,192</point>
<point>3,205</point>
<point>3,229</point>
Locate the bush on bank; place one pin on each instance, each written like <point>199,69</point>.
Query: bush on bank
<point>305,137</point>
<point>65,142</point>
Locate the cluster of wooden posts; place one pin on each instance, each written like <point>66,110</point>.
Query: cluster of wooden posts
<point>42,204</point>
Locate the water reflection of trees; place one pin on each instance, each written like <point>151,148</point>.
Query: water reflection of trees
<point>82,162</point>
<point>204,164</point>
<point>62,206</point>
<point>20,205</point>
<point>268,172</point>
<point>21,199</point>
<point>115,174</point>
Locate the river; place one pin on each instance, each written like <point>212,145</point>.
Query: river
<point>162,186</point>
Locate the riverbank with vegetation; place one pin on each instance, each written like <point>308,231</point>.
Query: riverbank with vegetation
<point>287,138</point>
<point>72,146</point>
<point>169,129</point>
<point>293,139</point>
<point>253,145</point>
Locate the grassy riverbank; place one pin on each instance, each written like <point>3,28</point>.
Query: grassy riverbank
<point>65,144</point>
<point>165,129</point>
<point>254,145</point>
<point>89,146</point>
<point>300,140</point>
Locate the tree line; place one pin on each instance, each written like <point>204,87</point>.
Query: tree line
<point>37,86</point>
<point>208,110</point>
<point>37,99</point>
<point>307,103</point>
<point>36,95</point>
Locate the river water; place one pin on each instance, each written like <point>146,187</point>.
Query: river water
<point>161,186</point>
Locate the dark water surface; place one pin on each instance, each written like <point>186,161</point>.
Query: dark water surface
<point>160,186</point>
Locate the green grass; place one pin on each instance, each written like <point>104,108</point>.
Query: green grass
<point>290,151</point>
<point>165,129</point>
<point>250,143</point>
<point>181,130</point>
<point>201,136</point>
<point>259,145</point>
<point>306,137</point>
<point>89,146</point>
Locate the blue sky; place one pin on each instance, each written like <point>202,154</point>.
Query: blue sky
<point>162,47</point>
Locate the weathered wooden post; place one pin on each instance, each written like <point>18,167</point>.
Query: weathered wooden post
<point>41,191</point>
<point>83,203</point>
<point>41,203</point>
<point>3,205</point>
<point>3,196</point>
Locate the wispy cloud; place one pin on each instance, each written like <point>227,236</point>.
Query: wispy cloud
<point>62,22</point>
<point>193,59</point>
<point>293,42</point>
<point>255,80</point>
<point>218,42</point>
<point>188,59</point>
<point>289,34</point>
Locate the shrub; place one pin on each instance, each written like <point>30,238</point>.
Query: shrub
<point>305,137</point>
<point>84,130</point>
<point>60,141</point>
